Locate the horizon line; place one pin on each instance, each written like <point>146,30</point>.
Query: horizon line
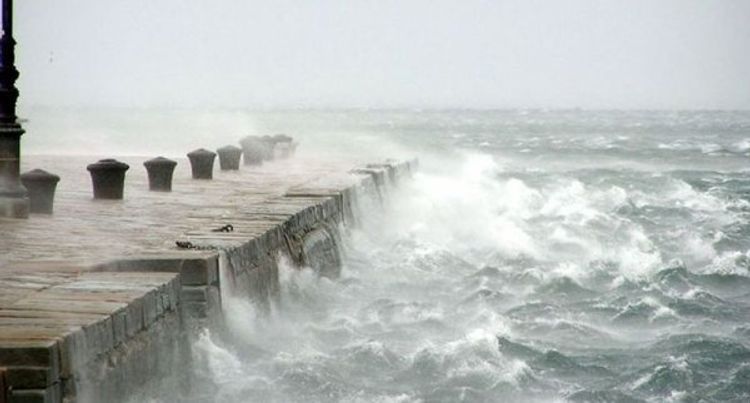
<point>381,108</point>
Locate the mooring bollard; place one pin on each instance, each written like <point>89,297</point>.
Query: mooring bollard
<point>252,150</point>
<point>283,145</point>
<point>41,186</point>
<point>282,138</point>
<point>108,177</point>
<point>229,158</point>
<point>160,172</point>
<point>202,163</point>
<point>268,146</point>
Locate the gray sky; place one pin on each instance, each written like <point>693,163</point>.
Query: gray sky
<point>385,53</point>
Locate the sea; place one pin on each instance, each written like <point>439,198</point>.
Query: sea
<point>536,256</point>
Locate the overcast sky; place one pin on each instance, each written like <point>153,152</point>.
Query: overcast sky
<point>385,53</point>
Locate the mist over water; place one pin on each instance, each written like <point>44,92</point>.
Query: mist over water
<point>544,256</point>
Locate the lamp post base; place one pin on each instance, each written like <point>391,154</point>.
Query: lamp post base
<point>14,207</point>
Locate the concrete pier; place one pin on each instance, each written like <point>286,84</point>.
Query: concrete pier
<point>103,296</point>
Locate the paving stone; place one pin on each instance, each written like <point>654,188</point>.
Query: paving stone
<point>27,377</point>
<point>43,395</point>
<point>41,353</point>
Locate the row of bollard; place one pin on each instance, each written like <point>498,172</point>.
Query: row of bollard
<point>108,175</point>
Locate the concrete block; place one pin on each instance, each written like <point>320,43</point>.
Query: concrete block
<point>321,252</point>
<point>194,294</point>
<point>134,317</point>
<point>214,298</point>
<point>195,310</point>
<point>29,352</point>
<point>160,296</point>
<point>208,294</point>
<point>73,350</point>
<point>51,394</point>
<point>27,377</point>
<point>150,310</point>
<point>200,271</point>
<point>194,270</point>
<point>174,293</point>
<point>150,263</point>
<point>200,302</point>
<point>99,337</point>
<point>119,326</point>
<point>166,301</point>
<point>4,386</point>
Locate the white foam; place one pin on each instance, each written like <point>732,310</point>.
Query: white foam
<point>726,263</point>
<point>741,146</point>
<point>223,366</point>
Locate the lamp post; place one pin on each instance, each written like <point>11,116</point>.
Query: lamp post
<point>14,201</point>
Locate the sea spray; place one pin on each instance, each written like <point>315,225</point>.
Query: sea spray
<point>541,256</point>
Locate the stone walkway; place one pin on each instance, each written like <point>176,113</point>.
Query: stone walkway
<point>83,231</point>
<point>77,284</point>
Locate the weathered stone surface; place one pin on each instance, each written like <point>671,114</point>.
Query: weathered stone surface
<point>51,333</point>
<point>4,386</point>
<point>35,351</point>
<point>49,394</point>
<point>195,268</point>
<point>194,293</point>
<point>148,223</point>
<point>321,252</point>
<point>27,377</point>
<point>110,308</point>
<point>202,302</point>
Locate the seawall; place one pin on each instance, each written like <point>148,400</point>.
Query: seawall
<point>99,300</point>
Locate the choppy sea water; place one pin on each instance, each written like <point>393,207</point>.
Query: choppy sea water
<point>541,256</point>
